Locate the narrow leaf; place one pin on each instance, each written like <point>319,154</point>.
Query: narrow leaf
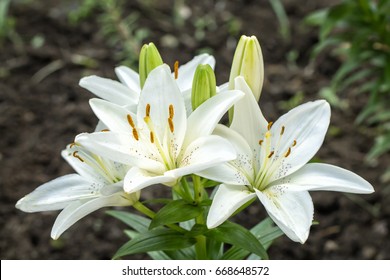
<point>134,221</point>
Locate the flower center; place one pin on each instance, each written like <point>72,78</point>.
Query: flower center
<point>272,157</point>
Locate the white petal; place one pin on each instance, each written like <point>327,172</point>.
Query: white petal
<point>58,193</point>
<point>110,90</point>
<point>121,147</point>
<point>187,71</point>
<point>325,177</point>
<point>291,211</point>
<point>79,209</point>
<point>307,125</point>
<point>203,153</point>
<point>112,115</point>
<point>160,92</point>
<point>204,119</point>
<point>137,179</point>
<point>226,201</point>
<point>248,119</point>
<point>128,77</point>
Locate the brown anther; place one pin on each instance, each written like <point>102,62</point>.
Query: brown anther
<point>176,69</point>
<point>288,152</point>
<point>151,137</point>
<point>269,125</point>
<point>261,142</point>
<point>294,143</point>
<point>104,130</point>
<point>171,111</point>
<point>282,130</point>
<point>271,154</point>
<point>72,145</point>
<point>171,125</point>
<point>147,110</point>
<point>130,121</point>
<point>135,134</point>
<point>75,154</point>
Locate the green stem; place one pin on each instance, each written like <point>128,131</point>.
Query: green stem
<point>198,189</point>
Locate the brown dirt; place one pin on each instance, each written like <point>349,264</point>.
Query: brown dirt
<point>37,120</point>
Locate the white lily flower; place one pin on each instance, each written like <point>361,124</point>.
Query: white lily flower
<point>98,183</point>
<point>272,165</point>
<point>159,141</point>
<point>127,91</point>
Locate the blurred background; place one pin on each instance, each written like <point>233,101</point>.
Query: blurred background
<point>332,49</point>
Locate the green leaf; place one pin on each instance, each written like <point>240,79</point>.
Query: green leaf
<point>134,221</point>
<point>239,236</point>
<point>159,239</point>
<point>175,212</point>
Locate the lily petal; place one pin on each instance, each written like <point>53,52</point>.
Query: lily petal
<point>110,90</point>
<point>291,211</point>
<point>325,177</point>
<point>137,179</point>
<point>205,118</point>
<point>203,153</point>
<point>79,209</point>
<point>128,77</point>
<point>186,71</point>
<point>58,193</point>
<point>248,119</point>
<point>111,114</point>
<point>226,201</point>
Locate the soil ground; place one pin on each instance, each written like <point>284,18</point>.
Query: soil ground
<point>42,109</point>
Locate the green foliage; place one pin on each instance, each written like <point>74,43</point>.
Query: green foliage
<point>358,32</point>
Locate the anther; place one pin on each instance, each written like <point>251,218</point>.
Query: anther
<point>171,126</point>
<point>261,142</point>
<point>148,110</point>
<point>271,154</point>
<point>171,111</point>
<point>130,121</point>
<point>75,154</point>
<point>104,130</point>
<point>288,152</point>
<point>72,145</point>
<point>135,134</point>
<point>269,125</point>
<point>176,69</point>
<point>151,137</point>
<point>282,130</point>
<point>294,143</point>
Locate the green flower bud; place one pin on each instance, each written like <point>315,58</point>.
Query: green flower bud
<point>248,62</point>
<point>203,85</point>
<point>149,59</point>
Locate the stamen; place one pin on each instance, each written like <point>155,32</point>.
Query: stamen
<point>75,154</point>
<point>171,125</point>
<point>176,69</point>
<point>267,134</point>
<point>104,130</point>
<point>282,130</point>
<point>148,110</point>
<point>294,143</point>
<point>152,137</point>
<point>271,154</point>
<point>171,111</point>
<point>270,125</point>
<point>288,152</point>
<point>72,145</point>
<point>130,121</point>
<point>261,142</point>
<point>135,134</point>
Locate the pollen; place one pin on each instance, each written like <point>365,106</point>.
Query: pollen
<point>271,154</point>
<point>135,134</point>
<point>147,110</point>
<point>294,143</point>
<point>152,137</point>
<point>176,69</point>
<point>171,111</point>
<point>130,121</point>
<point>171,125</point>
<point>105,130</point>
<point>288,152</point>
<point>75,154</point>
<point>282,131</point>
<point>269,125</point>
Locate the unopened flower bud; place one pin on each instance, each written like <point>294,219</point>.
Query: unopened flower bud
<point>149,59</point>
<point>203,85</point>
<point>248,62</point>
